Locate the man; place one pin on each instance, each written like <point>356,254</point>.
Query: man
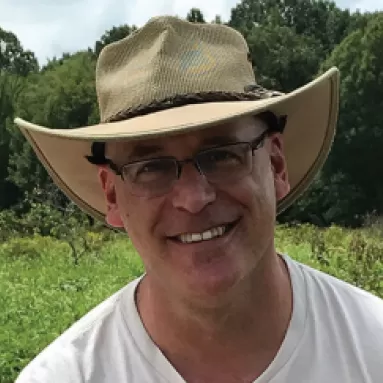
<point>194,160</point>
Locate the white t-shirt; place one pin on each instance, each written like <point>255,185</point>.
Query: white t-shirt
<point>335,335</point>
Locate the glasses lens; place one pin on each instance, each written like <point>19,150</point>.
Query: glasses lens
<point>151,177</point>
<point>226,162</point>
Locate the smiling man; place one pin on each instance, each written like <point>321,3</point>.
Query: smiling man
<point>194,160</point>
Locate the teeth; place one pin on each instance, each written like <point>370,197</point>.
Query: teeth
<point>205,236</point>
<point>195,237</point>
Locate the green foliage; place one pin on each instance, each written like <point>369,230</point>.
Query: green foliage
<point>349,187</point>
<point>21,248</point>
<point>56,263</point>
<point>195,16</point>
<point>10,88</point>
<point>357,155</point>
<point>320,20</point>
<point>69,225</point>
<point>217,20</point>
<point>43,292</point>
<point>355,256</point>
<point>13,58</point>
<point>291,42</point>
<point>62,97</point>
<point>292,61</point>
<point>10,225</point>
<point>112,35</point>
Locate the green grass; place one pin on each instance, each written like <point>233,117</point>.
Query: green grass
<point>43,291</point>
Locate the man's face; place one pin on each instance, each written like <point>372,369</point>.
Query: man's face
<point>244,210</point>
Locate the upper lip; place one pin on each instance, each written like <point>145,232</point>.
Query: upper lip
<point>202,229</point>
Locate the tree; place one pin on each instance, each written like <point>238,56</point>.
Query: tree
<point>62,97</point>
<point>13,59</point>
<point>319,19</point>
<point>195,16</point>
<point>351,183</point>
<point>10,88</point>
<point>112,35</point>
<point>217,20</point>
<point>15,63</point>
<point>358,146</point>
<point>281,58</point>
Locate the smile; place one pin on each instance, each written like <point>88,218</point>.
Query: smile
<point>207,235</point>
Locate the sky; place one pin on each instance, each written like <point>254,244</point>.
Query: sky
<point>51,27</point>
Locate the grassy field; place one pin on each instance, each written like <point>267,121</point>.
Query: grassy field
<point>44,289</point>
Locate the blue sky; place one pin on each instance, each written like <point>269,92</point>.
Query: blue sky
<point>49,28</point>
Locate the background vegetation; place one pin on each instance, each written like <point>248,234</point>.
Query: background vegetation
<point>45,287</point>
<point>56,263</point>
<point>291,42</point>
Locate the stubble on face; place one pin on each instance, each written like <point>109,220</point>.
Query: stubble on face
<point>204,269</point>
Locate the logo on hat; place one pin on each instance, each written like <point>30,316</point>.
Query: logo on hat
<point>197,60</point>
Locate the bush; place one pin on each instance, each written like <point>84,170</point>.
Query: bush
<point>45,290</point>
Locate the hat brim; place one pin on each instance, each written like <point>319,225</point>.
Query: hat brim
<point>311,110</point>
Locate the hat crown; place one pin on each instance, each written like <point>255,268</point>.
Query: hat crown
<point>168,57</point>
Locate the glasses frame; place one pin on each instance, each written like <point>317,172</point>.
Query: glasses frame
<point>254,145</point>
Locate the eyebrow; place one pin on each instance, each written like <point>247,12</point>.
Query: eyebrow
<point>144,150</point>
<point>219,140</point>
<point>147,150</point>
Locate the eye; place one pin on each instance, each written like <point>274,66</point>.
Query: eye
<point>150,171</point>
<point>151,167</point>
<point>224,160</point>
<point>223,156</point>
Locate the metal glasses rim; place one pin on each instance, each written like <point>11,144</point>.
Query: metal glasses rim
<point>254,144</point>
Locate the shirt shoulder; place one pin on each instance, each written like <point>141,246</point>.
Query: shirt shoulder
<point>343,331</point>
<point>66,358</point>
<point>347,309</point>
<point>350,297</point>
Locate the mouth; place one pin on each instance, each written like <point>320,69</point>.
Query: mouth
<point>208,235</point>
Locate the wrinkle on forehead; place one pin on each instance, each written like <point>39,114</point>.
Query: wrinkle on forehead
<point>243,129</point>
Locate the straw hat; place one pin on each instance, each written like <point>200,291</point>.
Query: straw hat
<point>200,75</point>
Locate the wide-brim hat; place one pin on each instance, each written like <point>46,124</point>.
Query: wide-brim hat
<point>201,75</point>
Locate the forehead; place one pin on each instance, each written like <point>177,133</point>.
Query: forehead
<point>243,129</point>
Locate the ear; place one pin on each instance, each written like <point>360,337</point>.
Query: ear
<point>279,166</point>
<point>108,185</point>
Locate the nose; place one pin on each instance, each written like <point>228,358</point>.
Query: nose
<point>192,192</point>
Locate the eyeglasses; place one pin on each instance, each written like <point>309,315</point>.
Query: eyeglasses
<point>222,164</point>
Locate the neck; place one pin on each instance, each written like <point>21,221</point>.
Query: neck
<point>251,322</point>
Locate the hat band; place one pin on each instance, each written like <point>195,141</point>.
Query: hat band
<point>255,92</point>
<point>275,123</point>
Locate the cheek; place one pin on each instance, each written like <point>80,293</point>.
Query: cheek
<point>256,190</point>
<point>139,217</point>
<point>260,211</point>
<point>251,197</point>
<point>256,194</point>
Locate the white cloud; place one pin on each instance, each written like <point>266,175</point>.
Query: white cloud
<point>209,8</point>
<point>49,28</point>
<point>362,5</point>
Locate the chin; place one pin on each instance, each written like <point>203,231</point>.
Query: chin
<point>211,283</point>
